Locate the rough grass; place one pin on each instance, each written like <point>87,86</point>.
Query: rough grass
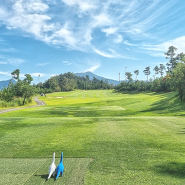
<point>133,139</point>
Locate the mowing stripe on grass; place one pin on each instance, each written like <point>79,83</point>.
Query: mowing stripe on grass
<point>35,171</point>
<point>17,171</point>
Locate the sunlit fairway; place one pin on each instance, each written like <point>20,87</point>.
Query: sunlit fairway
<point>107,138</point>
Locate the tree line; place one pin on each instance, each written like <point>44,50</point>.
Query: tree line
<point>21,92</point>
<point>174,80</point>
<point>69,82</point>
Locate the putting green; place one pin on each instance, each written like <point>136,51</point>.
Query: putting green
<point>35,171</point>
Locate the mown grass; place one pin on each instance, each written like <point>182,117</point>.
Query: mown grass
<point>103,104</point>
<point>26,167</point>
<point>132,139</point>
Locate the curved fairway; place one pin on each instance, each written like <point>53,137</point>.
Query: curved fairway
<point>106,138</point>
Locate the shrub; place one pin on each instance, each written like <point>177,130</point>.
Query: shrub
<point>19,101</point>
<point>29,100</point>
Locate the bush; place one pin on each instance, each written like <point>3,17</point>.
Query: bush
<point>15,103</point>
<point>57,89</point>
<point>3,104</point>
<point>29,100</point>
<point>19,101</point>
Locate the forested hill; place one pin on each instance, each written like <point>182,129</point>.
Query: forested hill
<point>91,75</point>
<point>5,83</point>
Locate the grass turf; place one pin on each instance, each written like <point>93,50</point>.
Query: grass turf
<point>35,171</point>
<point>133,139</point>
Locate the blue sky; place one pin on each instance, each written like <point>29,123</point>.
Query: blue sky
<point>50,37</point>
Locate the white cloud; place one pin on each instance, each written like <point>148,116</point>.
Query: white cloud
<point>110,30</point>
<point>32,23</point>
<point>179,43</point>
<point>157,54</point>
<point>54,75</point>
<point>2,56</point>
<point>22,75</point>
<point>127,43</point>
<point>107,55</point>
<point>67,62</point>
<point>29,17</point>
<point>35,7</point>
<point>9,50</point>
<point>84,5</point>
<point>37,74</point>
<point>5,73</point>
<point>3,13</point>
<point>15,61</point>
<point>113,54</point>
<point>93,68</point>
<point>1,62</point>
<point>64,35</point>
<point>42,64</point>
<point>119,39</point>
<point>102,19</point>
<point>74,24</point>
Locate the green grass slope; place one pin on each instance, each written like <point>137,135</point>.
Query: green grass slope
<point>106,137</point>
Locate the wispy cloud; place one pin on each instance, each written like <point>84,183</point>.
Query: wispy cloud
<point>110,30</point>
<point>157,54</point>
<point>129,44</point>
<point>107,55</point>
<point>67,62</point>
<point>54,75</point>
<point>42,64</point>
<point>112,54</point>
<point>118,39</point>
<point>179,43</point>
<point>9,50</point>
<point>117,19</point>
<point>83,5</point>
<point>2,62</point>
<point>5,73</point>
<point>93,68</point>
<point>15,61</point>
<point>2,56</point>
<point>37,74</point>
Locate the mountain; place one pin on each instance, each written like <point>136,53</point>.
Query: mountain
<point>5,83</point>
<point>91,75</point>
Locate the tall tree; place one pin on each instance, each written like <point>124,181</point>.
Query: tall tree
<point>161,69</point>
<point>178,79</point>
<point>26,88</point>
<point>128,76</point>
<point>156,69</point>
<point>170,55</point>
<point>137,73</point>
<point>15,74</point>
<point>180,57</point>
<point>147,71</point>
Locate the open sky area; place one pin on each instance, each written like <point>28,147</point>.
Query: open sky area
<point>50,37</point>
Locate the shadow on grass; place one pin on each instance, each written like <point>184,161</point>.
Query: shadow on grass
<point>174,169</point>
<point>135,92</point>
<point>170,103</point>
<point>181,131</point>
<point>45,176</point>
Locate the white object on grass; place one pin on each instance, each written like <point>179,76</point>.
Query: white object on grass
<point>52,167</point>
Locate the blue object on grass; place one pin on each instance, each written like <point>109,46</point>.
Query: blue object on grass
<point>60,167</point>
